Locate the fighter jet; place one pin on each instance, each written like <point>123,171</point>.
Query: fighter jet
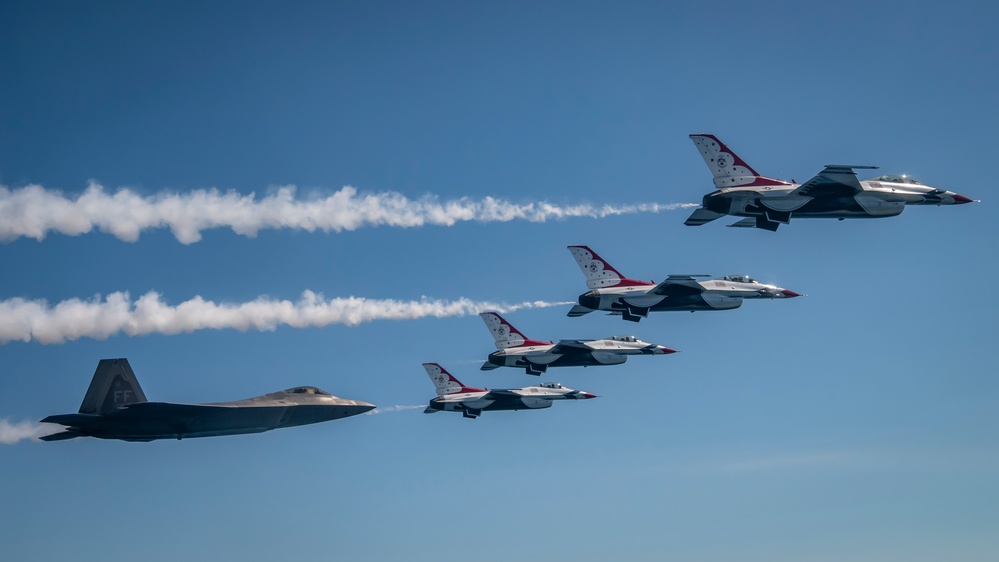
<point>516,350</point>
<point>453,396</point>
<point>633,299</point>
<point>834,193</point>
<point>116,408</point>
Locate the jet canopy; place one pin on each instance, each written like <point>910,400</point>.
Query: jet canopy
<point>897,179</point>
<point>307,390</point>
<point>550,385</point>
<point>740,279</point>
<point>623,338</point>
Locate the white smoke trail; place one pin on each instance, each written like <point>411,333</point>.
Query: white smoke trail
<point>11,433</point>
<point>389,409</point>
<point>27,320</point>
<point>34,211</point>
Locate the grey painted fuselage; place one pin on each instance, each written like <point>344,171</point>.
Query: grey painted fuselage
<point>115,408</point>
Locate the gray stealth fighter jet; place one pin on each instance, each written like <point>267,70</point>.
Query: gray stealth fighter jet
<point>116,408</point>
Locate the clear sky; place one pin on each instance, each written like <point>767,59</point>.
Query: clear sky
<point>857,423</point>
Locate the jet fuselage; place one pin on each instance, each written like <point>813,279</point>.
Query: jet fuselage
<point>878,199</point>
<point>115,407</point>
<point>714,294</point>
<point>835,192</point>
<point>610,351</point>
<point>527,398</point>
<point>148,421</point>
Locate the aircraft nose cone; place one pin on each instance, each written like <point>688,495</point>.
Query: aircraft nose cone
<point>363,406</point>
<point>588,395</point>
<point>790,294</point>
<point>664,350</point>
<point>961,199</point>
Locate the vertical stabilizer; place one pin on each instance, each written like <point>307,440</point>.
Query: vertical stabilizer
<point>114,386</point>
<point>598,272</point>
<point>445,381</point>
<point>504,333</point>
<point>727,168</point>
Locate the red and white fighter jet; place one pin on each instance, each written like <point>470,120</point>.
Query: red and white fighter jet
<point>453,396</point>
<point>834,193</point>
<point>514,349</point>
<point>633,299</point>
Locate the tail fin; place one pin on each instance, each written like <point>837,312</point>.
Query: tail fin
<point>597,271</point>
<point>445,381</point>
<point>728,169</point>
<point>113,387</point>
<point>504,333</point>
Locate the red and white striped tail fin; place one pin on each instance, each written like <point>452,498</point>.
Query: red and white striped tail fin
<point>504,333</point>
<point>727,168</point>
<point>445,381</point>
<point>598,272</point>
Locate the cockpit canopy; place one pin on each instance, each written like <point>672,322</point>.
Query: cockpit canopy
<point>550,385</point>
<point>307,390</point>
<point>623,338</point>
<point>740,279</point>
<point>897,179</point>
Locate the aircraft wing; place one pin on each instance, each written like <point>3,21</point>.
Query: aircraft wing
<point>679,285</point>
<point>166,409</point>
<point>500,392</point>
<point>834,181</point>
<point>569,347</point>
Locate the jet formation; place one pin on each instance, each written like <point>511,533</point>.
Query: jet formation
<point>514,349</point>
<point>834,193</point>
<point>453,396</point>
<point>633,300</point>
<point>116,408</point>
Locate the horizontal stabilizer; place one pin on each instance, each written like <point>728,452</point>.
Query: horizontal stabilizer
<point>430,410</point>
<point>62,435</point>
<point>577,311</point>
<point>487,366</point>
<point>701,216</point>
<point>745,223</point>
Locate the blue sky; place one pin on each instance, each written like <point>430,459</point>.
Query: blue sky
<point>856,423</point>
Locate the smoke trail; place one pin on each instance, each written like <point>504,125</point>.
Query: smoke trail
<point>34,211</point>
<point>12,433</point>
<point>27,320</point>
<point>389,409</point>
